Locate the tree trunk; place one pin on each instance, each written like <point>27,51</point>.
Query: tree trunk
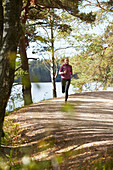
<point>53,78</point>
<point>1,23</point>
<point>8,49</point>
<point>26,83</point>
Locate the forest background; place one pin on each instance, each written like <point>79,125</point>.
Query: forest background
<point>93,55</point>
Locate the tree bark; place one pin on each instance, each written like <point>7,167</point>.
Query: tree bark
<point>1,23</point>
<point>10,38</point>
<point>26,83</point>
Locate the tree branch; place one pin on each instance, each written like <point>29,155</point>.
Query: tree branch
<point>101,6</point>
<point>66,48</point>
<point>98,5</point>
<point>33,58</point>
<point>18,68</point>
<point>17,84</point>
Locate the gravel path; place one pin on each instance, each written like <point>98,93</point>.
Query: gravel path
<point>79,131</point>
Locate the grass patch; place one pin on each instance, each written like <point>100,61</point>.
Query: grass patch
<point>12,133</point>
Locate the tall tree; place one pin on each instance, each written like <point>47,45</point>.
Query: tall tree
<point>51,28</point>
<point>94,63</point>
<point>26,84</point>
<point>34,10</point>
<point>53,78</point>
<point>9,34</point>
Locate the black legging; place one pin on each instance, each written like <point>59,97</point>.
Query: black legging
<point>65,87</point>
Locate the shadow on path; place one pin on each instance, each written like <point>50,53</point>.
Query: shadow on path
<point>78,132</point>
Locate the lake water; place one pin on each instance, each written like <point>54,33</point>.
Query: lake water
<point>39,91</point>
<point>43,91</point>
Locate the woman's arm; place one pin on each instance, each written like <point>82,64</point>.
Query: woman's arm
<point>61,70</point>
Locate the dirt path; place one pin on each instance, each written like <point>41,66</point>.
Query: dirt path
<point>77,133</point>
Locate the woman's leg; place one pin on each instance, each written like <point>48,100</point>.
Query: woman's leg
<point>66,89</point>
<point>63,85</point>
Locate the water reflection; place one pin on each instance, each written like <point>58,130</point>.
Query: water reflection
<point>40,91</point>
